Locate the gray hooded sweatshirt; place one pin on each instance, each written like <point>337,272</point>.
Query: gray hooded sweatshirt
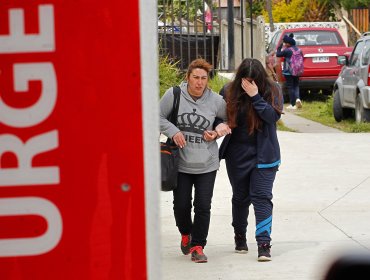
<point>194,117</point>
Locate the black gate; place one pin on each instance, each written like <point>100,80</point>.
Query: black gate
<point>189,29</point>
<point>185,48</point>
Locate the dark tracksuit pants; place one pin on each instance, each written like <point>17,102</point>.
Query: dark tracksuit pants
<point>292,83</point>
<point>182,198</point>
<point>250,185</point>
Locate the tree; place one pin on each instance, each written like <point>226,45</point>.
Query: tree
<point>310,10</point>
<point>350,4</point>
<point>182,8</point>
<point>317,11</point>
<point>283,12</point>
<point>269,12</point>
<point>346,4</point>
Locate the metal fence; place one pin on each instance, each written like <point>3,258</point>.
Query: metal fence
<point>189,29</point>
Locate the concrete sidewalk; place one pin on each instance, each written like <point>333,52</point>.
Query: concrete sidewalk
<point>321,211</point>
<point>300,124</point>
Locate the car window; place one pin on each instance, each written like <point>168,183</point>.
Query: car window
<point>354,60</point>
<point>366,53</point>
<point>317,37</point>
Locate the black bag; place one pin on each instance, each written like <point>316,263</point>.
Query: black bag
<point>169,151</point>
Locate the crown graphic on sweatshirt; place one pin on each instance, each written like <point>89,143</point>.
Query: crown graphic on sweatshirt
<point>192,122</point>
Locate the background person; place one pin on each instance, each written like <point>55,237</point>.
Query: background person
<point>251,151</point>
<point>292,82</point>
<point>199,160</point>
<point>208,17</point>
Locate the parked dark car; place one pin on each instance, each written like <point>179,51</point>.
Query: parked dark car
<point>321,48</point>
<point>352,88</point>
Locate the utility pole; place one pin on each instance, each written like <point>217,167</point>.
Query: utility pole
<point>230,33</point>
<point>251,17</point>
<point>269,12</point>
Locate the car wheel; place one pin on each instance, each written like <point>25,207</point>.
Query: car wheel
<point>361,114</point>
<point>337,107</point>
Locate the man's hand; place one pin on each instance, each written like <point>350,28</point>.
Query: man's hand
<point>179,139</point>
<point>222,129</point>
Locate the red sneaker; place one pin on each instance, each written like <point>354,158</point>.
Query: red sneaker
<point>197,254</point>
<point>185,244</point>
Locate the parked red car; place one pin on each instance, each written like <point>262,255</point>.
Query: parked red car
<point>321,48</point>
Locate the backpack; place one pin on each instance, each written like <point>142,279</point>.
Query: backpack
<point>296,62</point>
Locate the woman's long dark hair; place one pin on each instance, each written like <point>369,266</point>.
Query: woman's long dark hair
<point>238,100</point>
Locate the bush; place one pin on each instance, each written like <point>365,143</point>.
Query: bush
<point>217,82</point>
<point>169,74</point>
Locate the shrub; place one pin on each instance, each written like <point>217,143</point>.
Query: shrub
<point>217,82</point>
<point>169,74</point>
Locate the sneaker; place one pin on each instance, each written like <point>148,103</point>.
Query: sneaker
<point>298,103</point>
<point>197,254</point>
<point>240,244</point>
<point>185,244</point>
<point>290,107</point>
<point>264,252</point>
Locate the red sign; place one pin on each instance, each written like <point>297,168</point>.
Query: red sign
<point>71,143</point>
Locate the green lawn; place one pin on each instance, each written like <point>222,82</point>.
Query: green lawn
<point>322,112</point>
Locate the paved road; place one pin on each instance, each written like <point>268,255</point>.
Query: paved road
<point>321,211</point>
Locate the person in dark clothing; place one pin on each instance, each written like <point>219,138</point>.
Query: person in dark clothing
<point>254,104</point>
<point>292,82</point>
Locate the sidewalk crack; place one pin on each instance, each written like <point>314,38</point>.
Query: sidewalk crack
<point>335,201</point>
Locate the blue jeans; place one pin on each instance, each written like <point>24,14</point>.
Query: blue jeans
<point>292,83</point>
<point>182,197</point>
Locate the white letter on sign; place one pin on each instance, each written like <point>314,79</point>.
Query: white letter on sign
<point>25,174</point>
<point>35,114</point>
<point>17,41</point>
<point>32,245</point>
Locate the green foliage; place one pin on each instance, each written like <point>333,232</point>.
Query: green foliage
<point>322,112</point>
<point>350,4</point>
<point>169,74</point>
<point>217,82</point>
<point>258,7</point>
<point>182,8</point>
<point>281,126</point>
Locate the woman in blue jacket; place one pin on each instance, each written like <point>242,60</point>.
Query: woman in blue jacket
<point>251,151</point>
